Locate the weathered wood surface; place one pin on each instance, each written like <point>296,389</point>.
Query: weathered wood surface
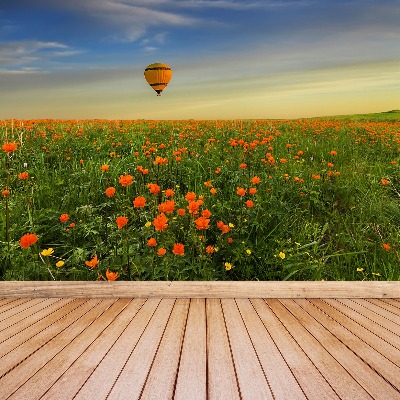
<point>199,348</point>
<point>196,289</point>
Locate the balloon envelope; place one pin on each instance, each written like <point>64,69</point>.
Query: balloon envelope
<point>158,76</point>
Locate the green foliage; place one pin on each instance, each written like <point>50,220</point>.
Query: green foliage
<point>307,199</point>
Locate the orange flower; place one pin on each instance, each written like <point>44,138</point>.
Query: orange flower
<point>152,242</point>
<point>213,191</point>
<point>105,167</point>
<point>9,147</point>
<point>110,191</point>
<point>64,218</point>
<point>5,192</point>
<point>167,207</point>
<point>160,222</point>
<point>243,165</point>
<point>154,188</point>
<point>125,180</point>
<point>190,196</point>
<point>121,221</point>
<point>160,161</point>
<point>179,249</point>
<point>139,202</point>
<point>255,180</point>
<point>386,246</point>
<point>206,213</point>
<point>181,212</point>
<point>210,249</point>
<point>161,251</point>
<point>169,193</point>
<point>72,225</point>
<point>330,165</point>
<point>252,190</point>
<point>208,184</point>
<point>193,207</point>
<point>23,175</point>
<point>384,181</point>
<point>315,176</point>
<point>111,276</point>
<point>249,204</point>
<point>218,170</point>
<point>241,191</point>
<point>202,223</point>
<point>333,153</point>
<point>93,262</point>
<point>28,239</point>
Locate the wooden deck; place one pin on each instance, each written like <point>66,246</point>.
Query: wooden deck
<point>83,341</point>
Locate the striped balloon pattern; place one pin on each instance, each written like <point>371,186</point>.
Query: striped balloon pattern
<point>158,76</point>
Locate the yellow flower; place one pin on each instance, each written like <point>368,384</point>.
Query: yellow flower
<point>60,263</point>
<point>282,255</point>
<point>231,225</point>
<point>360,269</point>
<point>147,224</point>
<point>47,252</point>
<point>228,266</point>
<point>376,273</point>
<point>248,251</point>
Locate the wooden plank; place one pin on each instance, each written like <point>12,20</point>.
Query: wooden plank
<point>68,349</point>
<point>76,375</point>
<point>28,367</point>
<point>202,289</point>
<point>160,383</point>
<point>221,377</point>
<point>253,383</point>
<point>23,312</point>
<point>132,378</point>
<point>11,303</point>
<point>192,374</point>
<point>45,327</point>
<point>385,308</point>
<point>373,323</point>
<point>315,342</point>
<point>101,381</point>
<point>282,382</point>
<point>359,359</point>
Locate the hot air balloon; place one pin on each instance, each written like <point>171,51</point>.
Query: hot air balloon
<point>157,76</point>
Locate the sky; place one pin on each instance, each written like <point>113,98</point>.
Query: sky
<point>231,59</point>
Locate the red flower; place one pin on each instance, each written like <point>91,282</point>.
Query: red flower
<point>64,218</point>
<point>167,207</point>
<point>152,242</point>
<point>249,203</point>
<point>181,212</point>
<point>110,191</point>
<point>154,188</point>
<point>121,221</point>
<point>190,196</point>
<point>161,251</point>
<point>93,262</point>
<point>169,193</point>
<point>139,202</point>
<point>28,239</point>
<point>386,246</point>
<point>160,222</point>
<point>126,180</point>
<point>179,249</point>
<point>9,147</point>
<point>111,276</point>
<point>241,191</point>
<point>202,223</point>
<point>23,175</point>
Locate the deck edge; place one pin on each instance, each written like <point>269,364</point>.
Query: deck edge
<point>201,289</point>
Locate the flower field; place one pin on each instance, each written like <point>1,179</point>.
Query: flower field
<point>305,199</point>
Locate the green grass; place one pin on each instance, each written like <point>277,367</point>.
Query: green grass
<point>321,209</point>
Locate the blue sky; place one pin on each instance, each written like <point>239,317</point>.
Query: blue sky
<point>230,58</point>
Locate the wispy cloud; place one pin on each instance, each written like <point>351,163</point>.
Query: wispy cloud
<point>26,52</point>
